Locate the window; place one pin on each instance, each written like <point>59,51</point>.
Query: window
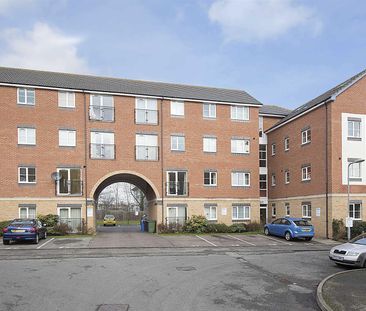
<point>27,212</point>
<point>209,111</point>
<point>26,96</point>
<point>211,212</point>
<point>177,108</point>
<point>273,180</point>
<point>306,210</point>
<point>26,175</point>
<point>102,145</point>
<point>262,156</point>
<point>70,182</point>
<point>146,111</point>
<point>70,216</point>
<point>147,147</point>
<point>287,144</point>
<point>177,183</point>
<point>287,177</point>
<point>177,143</point>
<point>209,144</point>
<point>240,179</point>
<point>101,108</point>
<point>240,146</point>
<point>262,182</point>
<point>176,215</point>
<point>287,209</point>
<point>306,136</point>
<point>26,136</point>
<point>354,128</point>
<point>240,113</point>
<point>241,212</point>
<point>66,99</point>
<point>274,210</point>
<point>67,138</point>
<point>355,210</point>
<point>306,173</point>
<point>210,178</point>
<point>273,149</point>
<point>355,170</point>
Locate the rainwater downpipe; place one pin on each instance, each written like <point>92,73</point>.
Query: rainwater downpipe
<point>162,159</point>
<point>85,162</point>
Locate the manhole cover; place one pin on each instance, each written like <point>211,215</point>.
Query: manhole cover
<point>185,268</point>
<point>66,241</point>
<point>111,307</point>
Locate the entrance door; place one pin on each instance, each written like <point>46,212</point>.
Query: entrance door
<point>263,216</point>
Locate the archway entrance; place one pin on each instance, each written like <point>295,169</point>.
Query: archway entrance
<point>125,197</point>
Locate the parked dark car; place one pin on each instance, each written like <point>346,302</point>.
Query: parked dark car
<point>290,228</point>
<point>24,230</point>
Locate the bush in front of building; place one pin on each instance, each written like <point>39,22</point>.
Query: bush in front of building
<point>170,228</point>
<point>339,229</point>
<point>49,220</point>
<point>358,228</point>
<point>196,224</point>
<point>254,227</point>
<point>218,228</point>
<point>238,228</point>
<point>59,229</point>
<point>3,224</point>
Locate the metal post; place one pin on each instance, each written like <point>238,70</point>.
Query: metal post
<point>348,228</point>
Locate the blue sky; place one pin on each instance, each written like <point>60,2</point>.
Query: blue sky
<point>282,52</point>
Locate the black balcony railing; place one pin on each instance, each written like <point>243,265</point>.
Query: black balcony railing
<point>177,188</point>
<point>176,220</point>
<point>101,113</point>
<point>102,151</point>
<point>147,153</point>
<point>146,116</point>
<point>70,187</point>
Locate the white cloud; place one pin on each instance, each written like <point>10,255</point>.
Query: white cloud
<point>7,5</point>
<point>43,48</point>
<point>259,20</point>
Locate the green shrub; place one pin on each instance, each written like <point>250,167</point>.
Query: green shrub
<point>49,220</point>
<point>358,228</point>
<point>339,229</point>
<point>238,228</point>
<point>217,228</point>
<point>196,224</point>
<point>254,227</point>
<point>3,224</point>
<point>170,228</point>
<point>59,229</point>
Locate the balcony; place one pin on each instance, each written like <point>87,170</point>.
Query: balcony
<point>147,153</point>
<point>177,188</point>
<point>102,151</point>
<point>146,116</point>
<point>101,113</point>
<point>70,187</point>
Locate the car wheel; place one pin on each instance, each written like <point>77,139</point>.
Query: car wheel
<point>114,225</point>
<point>288,236</point>
<point>6,242</point>
<point>266,231</point>
<point>36,240</point>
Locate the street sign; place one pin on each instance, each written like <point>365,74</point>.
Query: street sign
<point>349,222</point>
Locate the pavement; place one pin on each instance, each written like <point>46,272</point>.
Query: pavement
<point>343,291</point>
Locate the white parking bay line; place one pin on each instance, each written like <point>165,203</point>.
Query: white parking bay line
<point>45,243</point>
<point>234,237</point>
<point>206,240</point>
<point>279,241</point>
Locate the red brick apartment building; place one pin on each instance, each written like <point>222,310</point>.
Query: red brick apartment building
<point>309,152</point>
<point>65,137</point>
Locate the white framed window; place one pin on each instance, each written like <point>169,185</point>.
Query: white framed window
<point>66,99</point>
<point>306,173</point>
<point>305,136</point>
<point>26,136</point>
<point>306,210</point>
<point>287,209</point>
<point>209,144</point>
<point>210,178</point>
<point>262,182</point>
<point>287,144</point>
<point>273,180</point>
<point>27,212</point>
<point>146,111</point>
<point>355,171</point>
<point>67,138</point>
<point>241,212</point>
<point>355,210</point>
<point>177,108</point>
<point>101,108</point>
<point>354,128</point>
<point>274,210</point>
<point>262,155</point>
<point>26,175</point>
<point>177,183</point>
<point>287,177</point>
<point>26,96</point>
<point>177,143</point>
<point>209,110</point>
<point>240,179</point>
<point>240,146</point>
<point>147,147</point>
<point>273,149</point>
<point>70,182</point>
<point>102,145</point>
<point>240,113</point>
<point>211,212</point>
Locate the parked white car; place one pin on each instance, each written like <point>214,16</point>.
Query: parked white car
<point>352,253</point>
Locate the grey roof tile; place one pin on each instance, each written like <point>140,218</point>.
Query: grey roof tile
<point>126,86</point>
<point>274,110</point>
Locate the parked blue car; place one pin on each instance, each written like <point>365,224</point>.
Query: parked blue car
<point>24,230</point>
<point>290,228</point>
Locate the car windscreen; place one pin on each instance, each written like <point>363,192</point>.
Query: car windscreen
<point>302,223</point>
<point>24,223</point>
<point>359,240</point>
<point>109,216</point>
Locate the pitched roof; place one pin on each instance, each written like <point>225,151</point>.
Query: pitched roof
<point>125,86</point>
<point>320,99</point>
<point>274,110</point>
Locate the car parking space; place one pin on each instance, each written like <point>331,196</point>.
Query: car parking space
<point>23,245</point>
